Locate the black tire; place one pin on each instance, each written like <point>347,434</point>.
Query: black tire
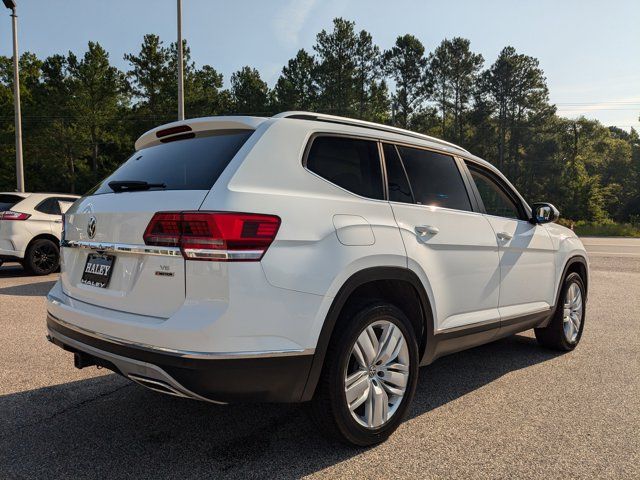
<point>553,335</point>
<point>329,406</point>
<point>42,257</point>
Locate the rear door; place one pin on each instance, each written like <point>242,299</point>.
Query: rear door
<point>453,246</point>
<point>527,259</point>
<point>112,219</point>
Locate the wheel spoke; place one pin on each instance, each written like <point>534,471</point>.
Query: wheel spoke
<point>577,303</point>
<point>368,343</point>
<point>359,356</point>
<point>574,293</point>
<point>377,406</point>
<point>569,328</point>
<point>576,321</point>
<point>357,389</point>
<point>390,344</point>
<point>398,379</point>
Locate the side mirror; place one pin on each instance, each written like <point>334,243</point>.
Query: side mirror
<point>543,212</point>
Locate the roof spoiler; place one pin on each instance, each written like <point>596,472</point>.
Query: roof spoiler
<point>188,129</point>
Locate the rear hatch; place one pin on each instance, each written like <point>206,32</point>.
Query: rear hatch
<point>7,202</point>
<point>105,259</point>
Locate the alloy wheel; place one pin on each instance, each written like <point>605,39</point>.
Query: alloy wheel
<point>45,257</point>
<point>377,374</point>
<point>572,315</point>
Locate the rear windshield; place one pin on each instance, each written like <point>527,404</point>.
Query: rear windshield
<point>8,201</point>
<point>193,164</point>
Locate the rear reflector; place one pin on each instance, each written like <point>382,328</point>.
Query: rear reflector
<point>11,215</point>
<point>214,236</point>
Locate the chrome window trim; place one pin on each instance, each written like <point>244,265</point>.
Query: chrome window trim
<point>181,353</point>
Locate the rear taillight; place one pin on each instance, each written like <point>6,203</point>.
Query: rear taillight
<point>11,215</point>
<point>214,236</point>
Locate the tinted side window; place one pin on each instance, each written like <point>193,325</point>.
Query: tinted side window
<point>350,163</point>
<point>496,201</point>
<point>50,206</point>
<point>193,164</point>
<point>399,189</point>
<point>8,201</point>
<point>435,179</point>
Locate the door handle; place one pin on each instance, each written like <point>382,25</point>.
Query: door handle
<point>504,236</point>
<point>424,230</point>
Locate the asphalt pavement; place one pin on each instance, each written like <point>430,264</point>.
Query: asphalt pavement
<point>510,409</point>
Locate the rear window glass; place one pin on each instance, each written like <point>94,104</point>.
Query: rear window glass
<point>193,164</point>
<point>8,201</point>
<point>350,163</point>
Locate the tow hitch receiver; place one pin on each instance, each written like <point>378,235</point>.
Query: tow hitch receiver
<point>81,360</point>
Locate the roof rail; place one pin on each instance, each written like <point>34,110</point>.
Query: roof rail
<point>322,117</point>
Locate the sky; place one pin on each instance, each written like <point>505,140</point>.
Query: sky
<point>589,50</point>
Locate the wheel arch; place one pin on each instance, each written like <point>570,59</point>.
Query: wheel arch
<point>41,236</point>
<point>578,264</point>
<point>366,281</point>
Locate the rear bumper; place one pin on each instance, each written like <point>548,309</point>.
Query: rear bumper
<point>220,378</point>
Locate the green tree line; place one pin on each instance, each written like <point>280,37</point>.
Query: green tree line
<point>81,115</point>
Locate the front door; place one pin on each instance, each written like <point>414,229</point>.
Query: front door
<point>527,260</point>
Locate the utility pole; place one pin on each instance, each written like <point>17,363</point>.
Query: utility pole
<point>180,65</point>
<point>11,5</point>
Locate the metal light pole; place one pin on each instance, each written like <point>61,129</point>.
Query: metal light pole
<point>11,5</point>
<point>180,65</point>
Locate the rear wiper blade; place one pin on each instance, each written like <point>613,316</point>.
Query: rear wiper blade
<point>131,185</point>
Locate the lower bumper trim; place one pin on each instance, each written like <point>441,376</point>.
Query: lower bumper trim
<point>264,379</point>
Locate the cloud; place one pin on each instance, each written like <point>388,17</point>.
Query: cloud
<point>290,19</point>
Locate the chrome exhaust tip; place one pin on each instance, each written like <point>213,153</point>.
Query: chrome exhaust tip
<point>157,385</point>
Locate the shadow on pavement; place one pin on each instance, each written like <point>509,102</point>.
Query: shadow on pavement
<point>108,426</point>
<point>36,289</point>
<point>9,270</point>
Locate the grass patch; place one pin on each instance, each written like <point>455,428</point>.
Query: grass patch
<point>603,229</point>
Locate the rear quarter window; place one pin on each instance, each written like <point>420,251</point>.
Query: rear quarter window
<point>192,164</point>
<point>350,163</point>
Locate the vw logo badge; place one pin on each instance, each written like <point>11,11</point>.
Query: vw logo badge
<point>91,227</point>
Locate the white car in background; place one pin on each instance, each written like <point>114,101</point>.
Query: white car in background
<point>30,229</point>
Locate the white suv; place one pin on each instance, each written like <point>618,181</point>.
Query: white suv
<point>307,257</point>
<point>30,229</point>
